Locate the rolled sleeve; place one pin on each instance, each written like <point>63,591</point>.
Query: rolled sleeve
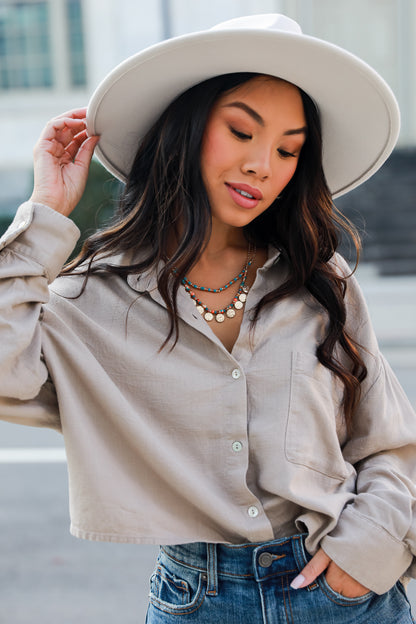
<point>366,551</point>
<point>373,540</point>
<point>42,235</point>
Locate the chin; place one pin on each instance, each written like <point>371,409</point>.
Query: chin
<point>237,220</point>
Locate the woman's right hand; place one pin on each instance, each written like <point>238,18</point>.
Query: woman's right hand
<point>62,158</point>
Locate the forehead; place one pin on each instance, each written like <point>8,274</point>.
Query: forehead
<point>267,96</point>
<point>262,86</point>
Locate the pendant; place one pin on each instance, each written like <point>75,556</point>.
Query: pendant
<point>230,313</point>
<point>238,305</point>
<point>208,316</point>
<point>242,297</point>
<point>200,309</point>
<point>220,318</point>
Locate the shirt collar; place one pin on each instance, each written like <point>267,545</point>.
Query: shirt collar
<point>147,281</point>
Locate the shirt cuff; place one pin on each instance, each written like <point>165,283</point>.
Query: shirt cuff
<point>42,234</point>
<point>357,539</point>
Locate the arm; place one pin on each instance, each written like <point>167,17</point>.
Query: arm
<point>32,253</point>
<point>374,541</point>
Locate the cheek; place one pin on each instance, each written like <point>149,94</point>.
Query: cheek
<point>215,152</point>
<point>287,174</point>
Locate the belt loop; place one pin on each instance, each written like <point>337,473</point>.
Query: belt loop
<point>212,577</point>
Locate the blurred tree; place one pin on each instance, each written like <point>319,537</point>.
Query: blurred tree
<point>97,204</point>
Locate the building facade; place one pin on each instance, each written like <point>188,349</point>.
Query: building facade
<point>53,53</point>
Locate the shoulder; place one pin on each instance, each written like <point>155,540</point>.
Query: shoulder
<point>341,267</point>
<point>358,321</point>
<point>88,289</point>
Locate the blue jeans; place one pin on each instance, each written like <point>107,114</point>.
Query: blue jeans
<point>249,584</point>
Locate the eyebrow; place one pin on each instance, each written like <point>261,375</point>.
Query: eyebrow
<point>259,119</point>
<point>250,111</point>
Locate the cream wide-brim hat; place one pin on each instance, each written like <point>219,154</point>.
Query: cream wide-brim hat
<point>359,113</point>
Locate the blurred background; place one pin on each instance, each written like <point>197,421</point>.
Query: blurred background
<point>53,53</point>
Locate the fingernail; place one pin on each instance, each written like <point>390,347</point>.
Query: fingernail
<point>297,582</point>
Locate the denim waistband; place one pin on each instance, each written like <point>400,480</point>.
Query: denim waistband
<point>252,560</point>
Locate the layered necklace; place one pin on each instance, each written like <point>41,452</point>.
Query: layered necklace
<point>238,301</point>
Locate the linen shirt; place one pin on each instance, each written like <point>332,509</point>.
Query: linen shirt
<point>196,443</point>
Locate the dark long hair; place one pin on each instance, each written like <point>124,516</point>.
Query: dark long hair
<point>165,190</point>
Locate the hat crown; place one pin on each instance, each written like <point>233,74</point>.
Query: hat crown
<point>268,21</point>
<point>359,114</point>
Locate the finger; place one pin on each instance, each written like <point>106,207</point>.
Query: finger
<point>62,129</point>
<point>319,562</point>
<point>78,142</point>
<point>73,147</point>
<point>75,113</point>
<point>86,151</point>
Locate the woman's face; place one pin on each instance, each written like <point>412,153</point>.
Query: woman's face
<point>251,147</point>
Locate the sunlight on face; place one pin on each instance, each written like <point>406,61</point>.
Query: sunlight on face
<point>251,147</point>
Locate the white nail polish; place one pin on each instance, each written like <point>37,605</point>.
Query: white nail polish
<point>297,582</point>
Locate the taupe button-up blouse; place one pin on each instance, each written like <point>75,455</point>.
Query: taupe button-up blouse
<point>199,444</point>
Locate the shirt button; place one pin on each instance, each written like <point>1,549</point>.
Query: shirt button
<point>253,512</point>
<point>236,374</point>
<point>237,446</point>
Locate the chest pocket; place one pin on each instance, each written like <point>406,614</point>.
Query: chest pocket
<point>315,421</point>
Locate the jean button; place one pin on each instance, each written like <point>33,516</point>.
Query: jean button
<point>265,560</point>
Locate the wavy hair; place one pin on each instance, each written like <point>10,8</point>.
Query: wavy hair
<point>165,190</point>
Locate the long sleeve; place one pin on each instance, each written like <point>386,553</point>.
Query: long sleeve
<point>32,253</point>
<point>375,537</point>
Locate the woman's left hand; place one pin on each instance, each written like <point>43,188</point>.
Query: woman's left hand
<point>337,579</point>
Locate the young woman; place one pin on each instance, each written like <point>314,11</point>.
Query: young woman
<point>208,357</point>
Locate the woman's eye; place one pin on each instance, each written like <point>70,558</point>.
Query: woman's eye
<point>284,154</point>
<point>240,135</point>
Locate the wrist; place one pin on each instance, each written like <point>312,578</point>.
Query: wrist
<point>38,197</point>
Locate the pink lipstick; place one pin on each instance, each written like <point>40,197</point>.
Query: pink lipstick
<point>244,195</point>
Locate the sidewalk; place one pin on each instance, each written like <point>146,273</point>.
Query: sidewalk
<point>392,305</point>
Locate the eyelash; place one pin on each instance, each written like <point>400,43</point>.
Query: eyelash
<point>240,135</point>
<point>285,154</point>
<point>243,137</point>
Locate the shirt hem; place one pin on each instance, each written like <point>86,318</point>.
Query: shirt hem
<point>96,536</point>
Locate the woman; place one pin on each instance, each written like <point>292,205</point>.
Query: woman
<point>208,357</point>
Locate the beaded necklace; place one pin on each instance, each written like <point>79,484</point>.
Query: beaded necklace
<point>238,301</point>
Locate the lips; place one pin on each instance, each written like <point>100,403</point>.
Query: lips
<point>245,190</point>
<point>243,195</point>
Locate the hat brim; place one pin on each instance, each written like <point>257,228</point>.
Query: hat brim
<point>359,113</point>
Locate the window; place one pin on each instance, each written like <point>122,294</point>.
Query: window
<point>76,43</point>
<point>25,55</point>
<point>29,34</point>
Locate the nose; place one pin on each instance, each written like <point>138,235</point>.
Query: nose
<point>258,163</point>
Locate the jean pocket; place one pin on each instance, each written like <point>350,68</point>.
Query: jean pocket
<point>338,598</point>
<point>177,592</point>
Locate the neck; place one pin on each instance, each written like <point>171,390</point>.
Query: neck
<point>222,239</point>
